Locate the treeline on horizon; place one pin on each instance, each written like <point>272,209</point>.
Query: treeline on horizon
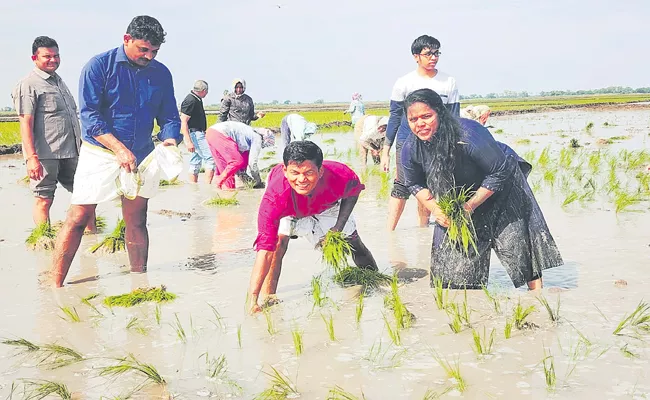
<point>509,94</point>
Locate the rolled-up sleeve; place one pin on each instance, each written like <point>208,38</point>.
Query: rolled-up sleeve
<point>168,118</point>
<point>91,91</point>
<point>481,147</point>
<point>414,176</point>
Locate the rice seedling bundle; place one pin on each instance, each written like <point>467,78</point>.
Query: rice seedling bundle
<point>460,233</point>
<point>336,250</point>
<point>368,278</point>
<point>42,237</point>
<point>113,242</point>
<point>140,295</point>
<point>219,201</point>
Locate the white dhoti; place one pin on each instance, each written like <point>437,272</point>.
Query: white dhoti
<point>315,227</point>
<point>99,177</point>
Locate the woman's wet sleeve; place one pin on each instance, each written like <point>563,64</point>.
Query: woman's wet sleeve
<point>488,155</point>
<point>414,175</point>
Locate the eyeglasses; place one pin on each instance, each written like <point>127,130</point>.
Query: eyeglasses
<point>431,54</point>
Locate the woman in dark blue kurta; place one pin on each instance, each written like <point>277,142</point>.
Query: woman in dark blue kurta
<point>445,152</point>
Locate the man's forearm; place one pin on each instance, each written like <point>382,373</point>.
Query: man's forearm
<point>345,210</point>
<point>27,135</point>
<point>481,195</point>
<point>110,142</point>
<point>425,198</point>
<point>260,270</point>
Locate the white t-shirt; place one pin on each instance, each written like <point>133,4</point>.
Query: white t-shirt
<point>442,84</point>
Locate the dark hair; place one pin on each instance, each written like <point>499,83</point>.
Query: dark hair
<point>144,27</point>
<point>303,150</point>
<point>424,42</point>
<point>43,41</point>
<point>440,178</point>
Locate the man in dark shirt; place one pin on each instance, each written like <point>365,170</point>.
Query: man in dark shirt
<point>121,93</point>
<point>193,126</point>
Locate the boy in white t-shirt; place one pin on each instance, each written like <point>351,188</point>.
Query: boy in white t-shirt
<point>426,52</point>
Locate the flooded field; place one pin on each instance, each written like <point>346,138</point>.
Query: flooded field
<point>204,346</point>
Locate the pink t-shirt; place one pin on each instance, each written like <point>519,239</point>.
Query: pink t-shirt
<point>280,200</point>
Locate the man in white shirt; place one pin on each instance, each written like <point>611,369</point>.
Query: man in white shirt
<point>426,52</point>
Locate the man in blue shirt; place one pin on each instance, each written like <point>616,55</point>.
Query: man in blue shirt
<point>121,92</point>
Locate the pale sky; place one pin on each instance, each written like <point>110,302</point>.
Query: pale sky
<point>307,49</point>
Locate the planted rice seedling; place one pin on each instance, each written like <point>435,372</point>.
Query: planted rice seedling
<point>507,331</point>
<point>483,344</point>
<point>298,347</point>
<point>499,131</point>
<point>594,161</point>
<point>643,179</point>
<point>452,371</point>
<point>380,359</point>
<point>544,157</point>
<point>140,295</point>
<point>329,325</point>
<point>522,142</point>
<point>134,324</point>
<point>115,241</point>
<point>627,352</point>
<point>219,201</point>
<point>131,364</point>
<point>366,277</point>
<point>440,294</point>
<point>216,367</point>
<point>70,314</point>
<point>456,324</point>
<point>553,314</point>
<point>359,308</point>
<point>280,387</point>
<point>460,233</point>
<point>336,250</point>
<point>520,314</point>
<point>36,389</point>
<point>338,393</point>
<point>589,127</point>
<point>239,335</point>
<point>173,182</point>
<point>50,355</point>
<point>384,185</point>
<point>158,314</point>
<point>624,200</point>
<point>42,237</point>
<point>403,317</point>
<point>638,320</point>
<point>393,333</point>
<point>329,141</point>
<point>318,295</point>
<point>433,395</point>
<point>270,325</point>
<point>548,363</point>
<point>218,319</point>
<point>574,143</point>
<point>566,158</point>
<point>178,328</point>
<point>493,299</point>
<point>550,176</point>
<point>570,198</point>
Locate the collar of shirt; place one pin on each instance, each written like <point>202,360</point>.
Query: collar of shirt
<point>44,74</point>
<point>197,97</point>
<point>121,57</point>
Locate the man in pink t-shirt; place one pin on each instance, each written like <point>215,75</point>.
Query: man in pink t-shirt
<point>304,197</point>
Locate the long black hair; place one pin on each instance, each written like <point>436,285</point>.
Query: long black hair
<point>440,174</point>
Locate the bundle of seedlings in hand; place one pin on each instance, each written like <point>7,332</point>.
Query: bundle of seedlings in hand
<point>113,242</point>
<point>366,277</point>
<point>336,250</point>
<point>223,201</point>
<point>42,237</point>
<point>140,295</point>
<point>460,233</point>
<point>280,387</point>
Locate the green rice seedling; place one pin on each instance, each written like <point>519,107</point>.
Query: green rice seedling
<point>460,233</point>
<point>465,310</point>
<point>50,355</point>
<point>70,314</point>
<point>638,320</point>
<point>403,317</point>
<point>483,344</point>
<point>134,324</point>
<point>384,185</point>
<point>239,335</point>
<point>536,186</point>
<point>216,367</point>
<point>550,176</point>
<point>520,315</point>
<point>566,158</point>
<point>624,200</point>
<point>23,344</point>
<point>223,201</point>
<point>36,389</point>
<point>433,395</point>
<point>165,182</point>
<point>544,157</point>
<point>280,387</point>
<point>456,323</point>
<point>574,143</point>
<point>140,295</point>
<point>627,352</point>
<point>549,370</point>
<point>493,299</point>
<point>613,183</point>
<point>499,131</point>
<point>595,159</point>
<point>452,371</point>
<point>507,331</point>
<point>440,294</point>
<point>329,141</point>
<point>24,180</point>
<point>589,127</point>
<point>522,142</point>
<point>86,301</point>
<point>298,347</point>
<point>352,276</point>
<point>318,295</point>
<point>178,328</point>
<point>553,314</point>
<point>359,308</point>
<point>218,319</point>
<point>113,242</point>
<point>336,250</point>
<point>131,364</point>
<point>393,333</point>
<point>158,314</point>
<point>643,179</point>
<point>42,237</point>
<point>270,324</point>
<point>329,325</point>
<point>380,359</point>
<point>338,393</point>
<point>600,312</point>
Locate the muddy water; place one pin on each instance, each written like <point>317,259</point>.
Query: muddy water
<point>207,258</point>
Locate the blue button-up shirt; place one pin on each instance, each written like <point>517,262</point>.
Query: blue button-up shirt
<point>118,97</point>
